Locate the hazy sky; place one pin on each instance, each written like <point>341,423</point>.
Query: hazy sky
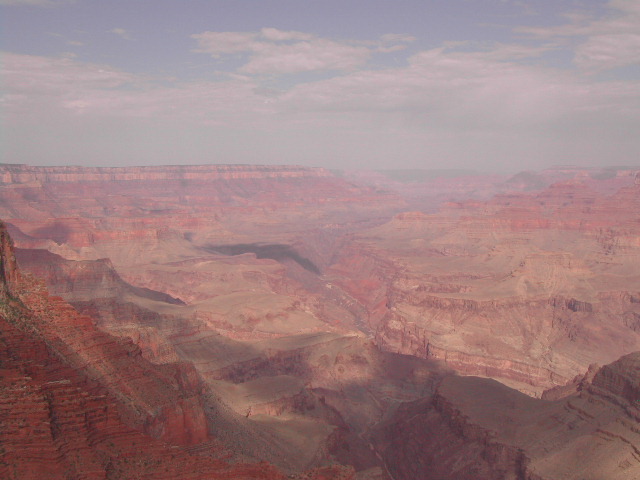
<point>485,84</point>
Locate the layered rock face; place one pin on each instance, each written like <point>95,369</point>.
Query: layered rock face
<point>427,190</point>
<point>286,312</point>
<point>140,215</point>
<point>78,403</point>
<point>302,399</point>
<point>530,289</point>
<point>320,381</point>
<point>83,280</point>
<point>56,423</point>
<point>16,174</point>
<point>475,428</point>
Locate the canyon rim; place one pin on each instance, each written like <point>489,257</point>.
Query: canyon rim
<point>270,321</point>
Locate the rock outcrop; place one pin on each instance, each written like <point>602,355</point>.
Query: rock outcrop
<point>78,280</point>
<point>519,288</point>
<point>332,387</point>
<point>475,428</point>
<point>268,307</point>
<point>78,403</point>
<point>427,190</point>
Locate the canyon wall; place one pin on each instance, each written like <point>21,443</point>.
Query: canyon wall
<point>475,428</point>
<point>246,311</point>
<point>79,403</point>
<point>76,402</point>
<point>529,289</point>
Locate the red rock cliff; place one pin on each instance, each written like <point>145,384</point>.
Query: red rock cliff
<point>78,403</point>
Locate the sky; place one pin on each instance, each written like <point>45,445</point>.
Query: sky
<point>492,85</point>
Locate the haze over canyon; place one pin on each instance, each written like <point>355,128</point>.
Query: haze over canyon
<point>271,322</point>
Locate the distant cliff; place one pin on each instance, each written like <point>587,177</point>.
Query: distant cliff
<point>477,429</point>
<point>17,173</point>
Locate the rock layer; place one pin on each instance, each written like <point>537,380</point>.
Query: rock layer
<point>475,428</point>
<point>77,403</point>
<point>530,289</point>
<point>315,342</point>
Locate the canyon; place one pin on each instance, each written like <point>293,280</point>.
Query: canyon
<point>269,321</point>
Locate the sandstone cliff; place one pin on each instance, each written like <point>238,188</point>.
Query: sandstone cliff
<point>77,403</point>
<point>475,428</point>
<point>18,173</point>
<point>530,289</point>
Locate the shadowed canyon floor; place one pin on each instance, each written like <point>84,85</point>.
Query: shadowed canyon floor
<point>317,322</point>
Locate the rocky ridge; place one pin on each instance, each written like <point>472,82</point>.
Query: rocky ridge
<point>519,288</point>
<point>529,289</point>
<point>475,428</point>
<point>79,403</point>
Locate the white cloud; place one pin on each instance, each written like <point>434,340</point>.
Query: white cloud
<point>601,43</point>
<point>454,90</point>
<point>473,106</point>
<point>121,32</point>
<point>629,6</point>
<point>273,51</point>
<point>485,88</point>
<point>30,73</point>
<point>393,42</point>
<point>446,104</point>
<point>220,43</point>
<point>61,86</point>
<point>305,56</point>
<point>607,51</point>
<point>275,35</point>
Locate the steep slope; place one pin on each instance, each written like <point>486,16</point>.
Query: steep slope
<point>78,403</point>
<point>283,306</point>
<point>83,280</point>
<point>530,289</point>
<point>520,287</point>
<point>299,401</point>
<point>56,423</point>
<point>475,428</point>
<point>165,213</point>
